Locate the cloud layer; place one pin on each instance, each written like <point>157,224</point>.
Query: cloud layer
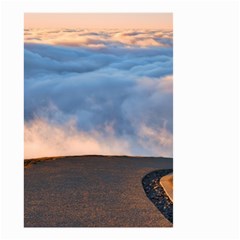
<point>101,92</point>
<point>99,39</point>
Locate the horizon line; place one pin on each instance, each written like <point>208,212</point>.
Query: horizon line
<point>93,155</point>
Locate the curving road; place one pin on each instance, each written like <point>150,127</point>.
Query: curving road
<point>91,191</point>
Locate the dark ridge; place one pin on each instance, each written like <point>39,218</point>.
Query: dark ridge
<point>156,193</point>
<point>93,155</point>
<point>30,161</point>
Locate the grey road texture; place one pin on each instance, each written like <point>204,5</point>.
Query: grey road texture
<point>90,191</point>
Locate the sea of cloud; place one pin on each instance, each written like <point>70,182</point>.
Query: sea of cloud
<point>98,92</point>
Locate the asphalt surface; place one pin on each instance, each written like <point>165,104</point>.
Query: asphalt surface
<point>91,191</point>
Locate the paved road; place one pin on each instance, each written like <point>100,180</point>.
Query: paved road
<point>91,192</point>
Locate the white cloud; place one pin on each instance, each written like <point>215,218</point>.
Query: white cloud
<point>42,138</point>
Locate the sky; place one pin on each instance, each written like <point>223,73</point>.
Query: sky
<point>98,20</point>
<point>106,89</point>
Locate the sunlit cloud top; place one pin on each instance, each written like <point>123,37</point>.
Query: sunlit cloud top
<point>100,39</point>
